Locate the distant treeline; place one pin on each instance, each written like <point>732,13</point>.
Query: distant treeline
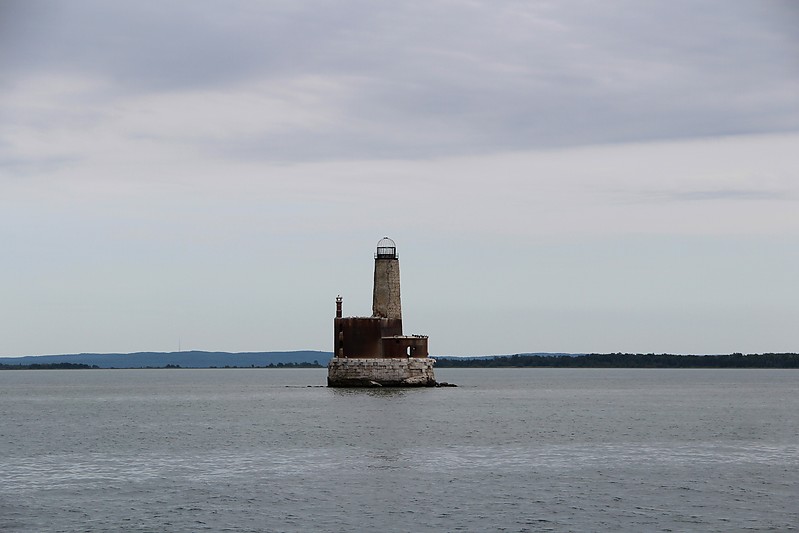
<point>315,364</point>
<point>48,366</point>
<point>629,360</point>
<point>79,366</point>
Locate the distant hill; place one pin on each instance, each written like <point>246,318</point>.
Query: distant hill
<point>191,359</point>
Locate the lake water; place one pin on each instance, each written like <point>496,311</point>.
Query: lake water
<point>508,450</point>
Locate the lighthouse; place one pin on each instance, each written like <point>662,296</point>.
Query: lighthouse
<point>386,301</point>
<point>373,351</point>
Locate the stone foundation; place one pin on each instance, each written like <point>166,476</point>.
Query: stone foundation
<point>395,372</point>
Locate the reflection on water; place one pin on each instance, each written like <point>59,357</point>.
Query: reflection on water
<point>377,392</point>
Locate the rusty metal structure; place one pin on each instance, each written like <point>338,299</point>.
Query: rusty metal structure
<point>380,335</point>
<point>379,338</point>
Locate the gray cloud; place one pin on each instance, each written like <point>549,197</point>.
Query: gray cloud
<point>439,78</point>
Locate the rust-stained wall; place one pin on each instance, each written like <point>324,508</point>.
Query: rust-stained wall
<point>415,346</point>
<point>390,327</point>
<point>361,336</point>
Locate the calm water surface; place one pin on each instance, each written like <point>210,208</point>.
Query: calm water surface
<point>508,450</point>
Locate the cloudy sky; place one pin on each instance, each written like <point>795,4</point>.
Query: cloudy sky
<point>559,176</point>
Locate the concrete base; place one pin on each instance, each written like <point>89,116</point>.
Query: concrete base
<point>395,372</point>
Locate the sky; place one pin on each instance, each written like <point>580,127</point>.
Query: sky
<point>559,176</point>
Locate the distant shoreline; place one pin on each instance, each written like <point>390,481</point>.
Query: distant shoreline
<point>627,360</point>
<point>183,359</point>
<point>80,366</point>
<point>613,360</point>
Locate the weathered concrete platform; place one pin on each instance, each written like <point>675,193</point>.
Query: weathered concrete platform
<point>383,372</point>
